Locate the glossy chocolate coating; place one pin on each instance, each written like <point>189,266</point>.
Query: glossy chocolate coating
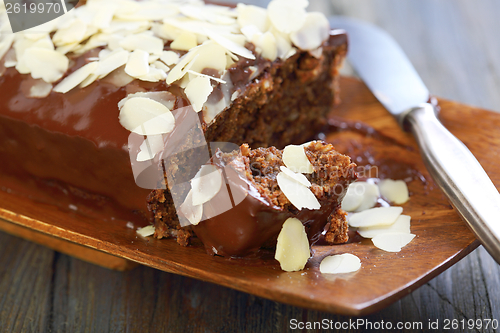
<point>254,222</point>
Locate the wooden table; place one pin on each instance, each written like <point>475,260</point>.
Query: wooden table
<point>455,47</point>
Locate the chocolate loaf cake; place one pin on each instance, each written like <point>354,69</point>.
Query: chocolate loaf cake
<point>258,192</point>
<point>77,88</point>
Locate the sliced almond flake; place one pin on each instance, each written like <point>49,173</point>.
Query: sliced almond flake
<point>152,145</point>
<point>65,49</point>
<point>206,184</point>
<point>127,7</point>
<point>182,66</point>
<point>298,195</point>
<point>21,44</point>
<point>297,176</point>
<point>161,65</point>
<point>127,26</point>
<point>104,15</point>
<point>10,59</point>
<point>375,217</point>
<point>104,53</point>
<point>95,41</point>
<point>46,64</point>
<point>230,45</point>
<point>77,77</point>
<point>211,110</point>
<point>250,32</point>
<point>267,44</point>
<point>164,97</point>
<point>223,10</point>
<point>201,39</point>
<point>137,64</point>
<point>191,212</point>
<point>255,71</point>
<point>185,41</point>
<point>235,95</point>
<point>166,31</point>
<point>169,57</point>
<point>292,247</point>
<point>146,117</point>
<point>44,43</point>
<point>290,53</point>
<point>111,62</point>
<point>151,11</point>
<point>88,12</point>
<point>370,195</point>
<point>392,242</point>
<point>206,13</point>
<point>154,75</point>
<point>91,31</point>
<point>295,159</point>
<point>308,144</point>
<point>197,91</point>
<point>19,47</point>
<point>200,27</point>
<point>65,20</point>
<point>146,231</point>
<point>223,20</point>
<point>236,38</point>
<point>207,76</point>
<point>287,15</point>
<point>5,24</point>
<point>402,225</point>
<point>118,77</point>
<point>340,264</point>
<point>283,42</point>
<point>229,61</point>
<point>395,191</point>
<point>153,57</point>
<point>145,42</point>
<point>316,53</point>
<point>73,33</point>
<point>312,33</point>
<point>252,15</point>
<point>114,42</point>
<point>209,55</point>
<point>184,81</point>
<point>5,43</point>
<point>89,80</point>
<point>354,196</point>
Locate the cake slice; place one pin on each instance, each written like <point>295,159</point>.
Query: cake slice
<point>75,90</point>
<point>251,194</point>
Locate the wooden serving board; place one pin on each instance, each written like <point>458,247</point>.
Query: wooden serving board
<point>442,238</point>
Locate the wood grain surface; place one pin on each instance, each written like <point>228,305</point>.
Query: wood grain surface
<point>442,238</point>
<point>454,47</point>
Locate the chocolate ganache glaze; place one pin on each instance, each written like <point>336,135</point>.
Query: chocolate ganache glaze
<point>252,220</point>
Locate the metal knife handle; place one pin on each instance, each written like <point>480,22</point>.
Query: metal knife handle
<point>459,175</point>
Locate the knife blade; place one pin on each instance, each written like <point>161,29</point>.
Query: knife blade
<point>386,70</point>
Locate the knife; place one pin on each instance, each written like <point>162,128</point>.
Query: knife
<point>386,70</point>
